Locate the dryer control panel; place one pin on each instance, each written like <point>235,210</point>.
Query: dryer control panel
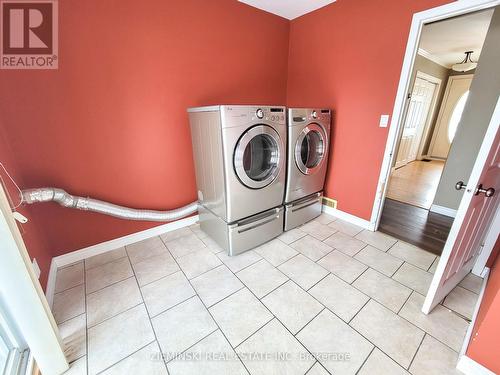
<point>243,115</point>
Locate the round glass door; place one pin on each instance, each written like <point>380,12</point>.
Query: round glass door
<point>257,156</point>
<point>310,149</point>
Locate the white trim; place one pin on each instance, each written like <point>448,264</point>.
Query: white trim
<point>442,210</point>
<point>470,367</point>
<point>51,283</point>
<point>87,252</point>
<point>454,9</point>
<point>489,244</point>
<point>422,52</point>
<point>348,217</point>
<point>437,291</point>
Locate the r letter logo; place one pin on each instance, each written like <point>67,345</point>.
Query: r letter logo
<point>29,34</point>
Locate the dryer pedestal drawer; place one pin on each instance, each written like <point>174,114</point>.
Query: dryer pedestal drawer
<point>303,210</point>
<point>245,234</point>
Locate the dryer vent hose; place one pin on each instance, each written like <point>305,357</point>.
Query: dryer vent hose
<point>31,196</point>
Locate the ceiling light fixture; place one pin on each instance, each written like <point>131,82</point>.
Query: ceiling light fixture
<point>466,64</point>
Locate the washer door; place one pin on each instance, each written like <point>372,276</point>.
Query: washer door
<point>257,156</point>
<point>310,149</point>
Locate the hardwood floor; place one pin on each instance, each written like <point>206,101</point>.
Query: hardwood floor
<point>415,225</point>
<point>416,183</point>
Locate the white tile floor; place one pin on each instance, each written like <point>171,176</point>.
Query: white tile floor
<point>327,298</point>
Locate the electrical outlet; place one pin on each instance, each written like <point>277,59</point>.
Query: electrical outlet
<point>384,121</point>
<point>36,268</point>
<point>329,202</point>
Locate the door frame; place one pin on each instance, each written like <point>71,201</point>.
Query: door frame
<point>453,9</point>
<point>432,109</point>
<point>23,298</point>
<point>441,110</point>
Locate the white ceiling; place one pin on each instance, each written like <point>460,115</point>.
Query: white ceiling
<point>288,8</point>
<point>445,42</point>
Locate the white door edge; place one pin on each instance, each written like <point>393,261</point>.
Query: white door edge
<point>433,297</point>
<point>454,9</point>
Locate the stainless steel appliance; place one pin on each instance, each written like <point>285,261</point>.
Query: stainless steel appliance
<point>239,155</point>
<point>308,142</point>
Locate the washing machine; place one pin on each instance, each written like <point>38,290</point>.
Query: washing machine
<point>307,159</point>
<point>240,165</point>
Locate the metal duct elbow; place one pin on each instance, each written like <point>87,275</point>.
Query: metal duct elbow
<point>31,196</point>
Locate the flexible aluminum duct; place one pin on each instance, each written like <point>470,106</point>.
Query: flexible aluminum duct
<point>88,204</point>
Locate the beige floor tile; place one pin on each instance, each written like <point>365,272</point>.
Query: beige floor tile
<point>79,367</point>
<point>441,323</point>
<point>69,277</point>
<point>182,326</point>
<point>412,254</point>
<point>462,301</point>
<point>434,358</point>
<point>240,315</point>
<point>383,289</point>
<point>345,227</point>
<point>292,306</point>
<point>317,230</point>
<point>329,334</point>
<point>181,232</point>
<point>112,300</point>
<point>472,282</point>
<point>214,346</point>
<point>377,239</point>
<point>345,267</point>
<point>414,278</point>
<point>379,260</point>
<point>392,334</point>
<point>275,252</point>
<point>145,249</point>
<point>345,243</point>
<point>73,333</point>
<point>341,298</point>
<point>269,341</point>
<point>154,268</point>
<point>261,278</point>
<point>69,304</point>
<point>198,262</point>
<point>311,247</point>
<point>433,267</point>
<point>237,262</point>
<point>107,274</point>
<point>292,235</point>
<point>184,245</point>
<point>108,256</point>
<point>117,338</point>
<point>325,219</point>
<point>196,229</point>
<point>317,369</point>
<point>380,364</point>
<point>145,361</point>
<point>303,271</point>
<point>216,285</point>
<point>167,292</point>
<point>212,245</point>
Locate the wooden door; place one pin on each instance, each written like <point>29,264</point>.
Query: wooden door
<point>474,216</point>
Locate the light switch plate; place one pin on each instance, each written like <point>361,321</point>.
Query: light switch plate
<point>384,121</point>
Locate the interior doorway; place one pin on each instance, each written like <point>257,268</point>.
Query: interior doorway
<point>439,88</point>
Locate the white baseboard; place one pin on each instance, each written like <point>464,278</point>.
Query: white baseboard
<point>443,210</point>
<point>87,252</point>
<point>349,218</point>
<point>466,364</point>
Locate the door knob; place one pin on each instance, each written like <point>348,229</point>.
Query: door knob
<point>487,192</point>
<point>460,185</point>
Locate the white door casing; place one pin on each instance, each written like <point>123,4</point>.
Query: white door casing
<point>455,89</point>
<point>473,220</point>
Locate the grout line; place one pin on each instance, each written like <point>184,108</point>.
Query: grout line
<point>357,312</point>
<point>366,359</point>
<point>317,282</point>
<point>416,351</point>
<point>310,320</point>
<point>357,277</point>
<point>397,269</point>
<point>124,358</point>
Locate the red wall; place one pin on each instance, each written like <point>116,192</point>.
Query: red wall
<point>483,348</point>
<point>348,56</point>
<point>111,122</point>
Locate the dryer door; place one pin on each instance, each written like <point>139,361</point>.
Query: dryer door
<point>258,156</point>
<point>310,149</point>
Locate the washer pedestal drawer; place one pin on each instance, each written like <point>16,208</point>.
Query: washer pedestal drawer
<point>245,234</point>
<point>303,210</point>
